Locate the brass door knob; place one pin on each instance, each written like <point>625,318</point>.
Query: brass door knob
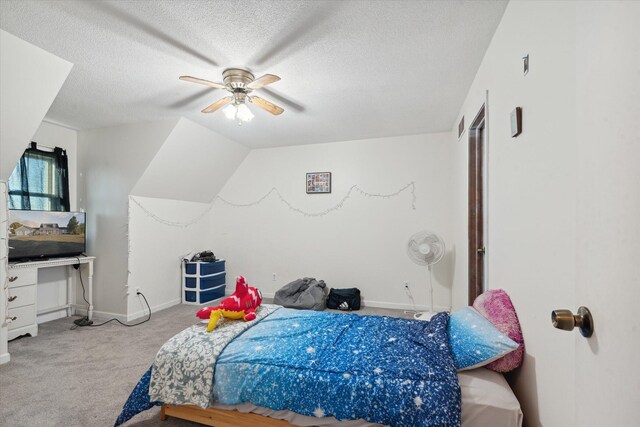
<point>481,251</point>
<point>566,320</point>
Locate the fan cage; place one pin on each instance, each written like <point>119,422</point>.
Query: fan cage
<point>436,244</point>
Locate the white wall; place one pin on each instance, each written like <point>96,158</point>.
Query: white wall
<point>156,249</point>
<point>110,162</point>
<point>52,282</point>
<point>164,160</point>
<point>30,79</point>
<point>608,229</point>
<point>562,202</point>
<point>362,244</point>
<point>192,165</point>
<point>531,197</point>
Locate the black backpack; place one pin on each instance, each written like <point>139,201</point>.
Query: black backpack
<point>344,299</point>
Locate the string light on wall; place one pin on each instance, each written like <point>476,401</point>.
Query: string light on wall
<point>354,188</point>
<point>166,221</point>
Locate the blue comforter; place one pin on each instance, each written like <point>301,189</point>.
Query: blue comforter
<point>385,370</point>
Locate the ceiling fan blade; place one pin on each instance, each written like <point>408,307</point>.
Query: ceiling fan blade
<point>283,99</point>
<point>202,82</point>
<point>219,103</point>
<point>263,81</point>
<point>266,105</point>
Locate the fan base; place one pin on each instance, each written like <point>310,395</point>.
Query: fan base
<point>237,78</point>
<point>425,315</point>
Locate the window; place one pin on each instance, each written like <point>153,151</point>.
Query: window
<point>40,181</point>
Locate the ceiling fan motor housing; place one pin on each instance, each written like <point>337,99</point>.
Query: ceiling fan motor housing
<point>237,78</point>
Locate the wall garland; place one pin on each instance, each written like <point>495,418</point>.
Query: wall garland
<point>353,189</point>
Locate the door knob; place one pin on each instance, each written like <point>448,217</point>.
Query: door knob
<point>481,250</point>
<point>566,320</point>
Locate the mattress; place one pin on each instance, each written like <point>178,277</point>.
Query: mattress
<point>487,401</point>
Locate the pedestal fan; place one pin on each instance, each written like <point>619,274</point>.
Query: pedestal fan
<point>426,248</point>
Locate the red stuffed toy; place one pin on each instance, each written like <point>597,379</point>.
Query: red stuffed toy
<point>241,304</point>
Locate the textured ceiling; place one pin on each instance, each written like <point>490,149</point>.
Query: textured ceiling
<point>349,69</point>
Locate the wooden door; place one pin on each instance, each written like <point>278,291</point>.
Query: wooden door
<point>476,206</point>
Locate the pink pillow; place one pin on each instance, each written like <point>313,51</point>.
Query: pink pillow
<point>496,306</point>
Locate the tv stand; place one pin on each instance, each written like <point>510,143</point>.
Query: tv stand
<point>26,260</point>
<point>22,304</point>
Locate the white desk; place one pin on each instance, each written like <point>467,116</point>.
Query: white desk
<point>22,302</point>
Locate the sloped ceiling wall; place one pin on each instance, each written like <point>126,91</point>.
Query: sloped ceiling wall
<point>118,156</point>
<point>170,159</point>
<point>110,162</point>
<point>192,165</point>
<point>30,79</point>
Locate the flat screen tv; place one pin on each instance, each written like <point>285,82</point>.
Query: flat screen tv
<point>38,235</point>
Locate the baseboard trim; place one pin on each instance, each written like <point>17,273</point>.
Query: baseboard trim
<point>5,358</point>
<point>264,294</point>
<point>52,315</point>
<point>155,308</point>
<point>105,315</point>
<point>98,315</point>
<point>400,306</point>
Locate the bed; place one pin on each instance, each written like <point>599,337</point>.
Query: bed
<point>306,368</point>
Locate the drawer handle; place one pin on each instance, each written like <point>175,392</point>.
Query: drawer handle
<point>13,278</point>
<point>13,298</point>
<point>11,319</point>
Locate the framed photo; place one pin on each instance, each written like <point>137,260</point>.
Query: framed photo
<point>318,182</point>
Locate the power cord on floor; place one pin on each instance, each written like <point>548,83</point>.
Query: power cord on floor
<point>413,302</point>
<point>84,321</point>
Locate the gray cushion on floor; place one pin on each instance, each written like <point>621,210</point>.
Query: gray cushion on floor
<point>307,293</point>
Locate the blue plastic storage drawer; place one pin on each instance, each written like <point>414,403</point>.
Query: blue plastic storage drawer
<point>205,296</point>
<point>190,296</point>
<point>205,282</point>
<point>212,294</point>
<point>206,268</point>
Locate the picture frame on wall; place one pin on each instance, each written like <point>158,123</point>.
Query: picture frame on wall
<point>318,182</point>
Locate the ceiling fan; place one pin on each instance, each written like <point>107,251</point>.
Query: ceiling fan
<point>240,83</point>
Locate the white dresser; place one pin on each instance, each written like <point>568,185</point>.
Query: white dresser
<point>21,304</point>
<point>22,307</point>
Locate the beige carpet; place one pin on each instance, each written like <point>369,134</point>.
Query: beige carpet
<point>82,377</point>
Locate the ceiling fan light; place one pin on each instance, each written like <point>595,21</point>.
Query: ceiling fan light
<point>230,112</point>
<point>244,113</point>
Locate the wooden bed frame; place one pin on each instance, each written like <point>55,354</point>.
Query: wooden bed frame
<point>219,417</point>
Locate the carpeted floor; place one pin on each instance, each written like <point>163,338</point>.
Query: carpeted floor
<point>82,377</point>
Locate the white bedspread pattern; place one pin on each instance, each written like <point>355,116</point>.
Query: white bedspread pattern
<point>183,370</point>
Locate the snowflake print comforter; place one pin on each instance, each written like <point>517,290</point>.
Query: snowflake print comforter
<point>391,371</point>
<point>385,370</point>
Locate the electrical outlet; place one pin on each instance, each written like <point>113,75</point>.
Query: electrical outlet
<point>274,277</point>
